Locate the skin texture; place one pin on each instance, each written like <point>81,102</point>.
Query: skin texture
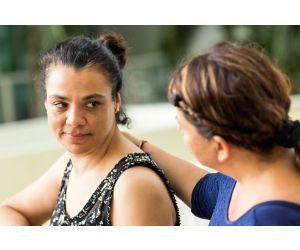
<point>199,146</point>
<point>81,115</point>
<point>77,103</point>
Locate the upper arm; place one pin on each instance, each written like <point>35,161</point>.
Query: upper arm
<point>204,196</point>
<point>141,198</point>
<point>37,201</point>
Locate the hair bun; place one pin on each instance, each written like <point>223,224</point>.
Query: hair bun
<point>117,45</point>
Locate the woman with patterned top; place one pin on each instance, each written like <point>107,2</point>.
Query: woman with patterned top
<point>103,178</point>
<point>232,106</point>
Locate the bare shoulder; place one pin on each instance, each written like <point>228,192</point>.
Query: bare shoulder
<point>139,173</point>
<point>144,199</point>
<point>142,180</point>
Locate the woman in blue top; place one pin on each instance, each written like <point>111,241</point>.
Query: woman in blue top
<point>232,107</point>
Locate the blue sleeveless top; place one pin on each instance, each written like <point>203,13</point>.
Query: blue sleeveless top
<point>211,198</point>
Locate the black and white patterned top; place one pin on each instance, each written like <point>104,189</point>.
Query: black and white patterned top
<point>96,211</point>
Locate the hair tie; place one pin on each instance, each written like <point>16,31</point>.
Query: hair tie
<point>289,134</point>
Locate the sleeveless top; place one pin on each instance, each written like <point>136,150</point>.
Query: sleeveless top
<point>211,199</point>
<point>96,211</point>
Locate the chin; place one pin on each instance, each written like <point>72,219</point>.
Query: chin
<point>75,148</point>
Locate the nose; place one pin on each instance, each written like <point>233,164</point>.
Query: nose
<point>75,117</point>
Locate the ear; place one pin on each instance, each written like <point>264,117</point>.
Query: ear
<point>118,102</point>
<point>222,148</point>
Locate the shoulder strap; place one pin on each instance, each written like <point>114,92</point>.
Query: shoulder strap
<point>144,160</point>
<point>66,175</point>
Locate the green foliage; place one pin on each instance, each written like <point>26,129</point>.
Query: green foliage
<point>174,42</point>
<point>154,52</point>
<point>12,48</point>
<point>281,43</point>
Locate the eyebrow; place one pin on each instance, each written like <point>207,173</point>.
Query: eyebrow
<point>57,97</point>
<point>92,96</point>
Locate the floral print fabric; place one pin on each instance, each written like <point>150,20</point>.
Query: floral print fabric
<point>96,211</point>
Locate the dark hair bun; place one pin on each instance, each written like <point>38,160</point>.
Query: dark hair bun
<point>117,45</point>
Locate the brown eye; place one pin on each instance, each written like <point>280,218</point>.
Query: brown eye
<point>60,105</point>
<point>93,104</point>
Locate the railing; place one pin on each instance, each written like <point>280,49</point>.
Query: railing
<point>7,96</point>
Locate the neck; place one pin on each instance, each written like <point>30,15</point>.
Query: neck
<point>250,169</point>
<point>260,180</point>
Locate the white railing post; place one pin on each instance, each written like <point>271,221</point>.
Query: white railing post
<point>7,100</point>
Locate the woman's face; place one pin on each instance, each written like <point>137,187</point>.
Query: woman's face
<point>81,112</point>
<point>199,146</point>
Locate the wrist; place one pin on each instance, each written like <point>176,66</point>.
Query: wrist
<point>142,144</point>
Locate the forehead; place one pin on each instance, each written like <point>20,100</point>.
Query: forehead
<point>61,78</point>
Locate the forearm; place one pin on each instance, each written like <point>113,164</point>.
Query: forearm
<point>182,175</point>
<point>11,217</point>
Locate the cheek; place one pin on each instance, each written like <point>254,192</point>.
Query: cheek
<point>55,121</point>
<point>103,116</point>
<point>199,147</point>
<point>190,142</point>
<point>102,121</point>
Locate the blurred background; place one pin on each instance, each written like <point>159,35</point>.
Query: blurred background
<point>27,148</point>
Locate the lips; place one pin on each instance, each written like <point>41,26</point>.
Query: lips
<point>75,137</point>
<point>76,134</point>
